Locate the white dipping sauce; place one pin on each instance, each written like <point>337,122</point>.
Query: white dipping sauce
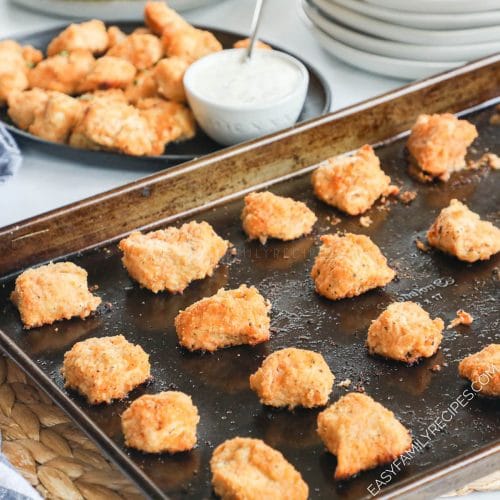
<point>233,81</point>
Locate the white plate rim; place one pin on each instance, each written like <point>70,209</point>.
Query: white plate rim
<point>438,6</point>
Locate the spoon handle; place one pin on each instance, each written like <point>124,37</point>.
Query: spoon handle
<point>255,27</point>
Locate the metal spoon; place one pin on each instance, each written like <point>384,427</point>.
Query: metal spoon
<point>255,28</point>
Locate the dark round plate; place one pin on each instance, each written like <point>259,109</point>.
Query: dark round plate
<point>317,103</point>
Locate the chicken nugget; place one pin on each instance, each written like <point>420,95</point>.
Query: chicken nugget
<point>438,144</point>
<point>160,18</point>
<point>103,369</point>
<point>141,50</point>
<point>31,55</point>
<point>266,215</point>
<point>349,265</point>
<point>23,106</point>
<point>243,44</point>
<point>51,293</point>
<point>460,232</point>
<point>58,118</point>
<point>230,317</point>
<point>293,377</point>
<point>108,73</point>
<point>115,36</point>
<point>113,125</point>
<point>90,35</point>
<point>249,469</point>
<point>170,259</point>
<point>362,434</point>
<point>351,183</point>
<point>405,332</point>
<point>108,95</point>
<point>169,75</point>
<point>190,44</point>
<point>483,370</point>
<point>142,86</point>
<point>63,72</point>
<point>159,423</point>
<point>13,69</point>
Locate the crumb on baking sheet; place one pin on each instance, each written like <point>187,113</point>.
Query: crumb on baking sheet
<point>490,160</point>
<point>421,245</point>
<point>495,117</point>
<point>407,197</point>
<point>436,368</point>
<point>366,221</point>
<point>345,383</point>
<point>333,220</point>
<point>462,318</point>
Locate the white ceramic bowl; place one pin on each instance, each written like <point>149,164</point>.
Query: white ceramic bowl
<point>232,124</point>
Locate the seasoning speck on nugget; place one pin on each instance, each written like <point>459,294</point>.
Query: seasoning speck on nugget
<point>293,377</point>
<point>351,183</point>
<point>438,144</point>
<point>349,265</point>
<point>362,434</point>
<point>460,232</point>
<point>103,369</point>
<point>170,259</point>
<point>230,317</point>
<point>249,469</point>
<point>267,215</point>
<point>159,423</point>
<point>53,292</point>
<point>405,332</point>
<point>483,370</point>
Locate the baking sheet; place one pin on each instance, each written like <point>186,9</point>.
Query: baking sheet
<point>218,382</point>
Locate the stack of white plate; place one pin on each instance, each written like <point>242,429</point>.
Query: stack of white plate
<point>406,39</point>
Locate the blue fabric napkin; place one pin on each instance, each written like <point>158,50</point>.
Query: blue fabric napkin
<point>10,158</point>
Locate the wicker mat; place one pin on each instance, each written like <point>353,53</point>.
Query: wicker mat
<point>59,460</point>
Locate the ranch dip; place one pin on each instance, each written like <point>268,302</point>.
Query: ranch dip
<point>233,81</point>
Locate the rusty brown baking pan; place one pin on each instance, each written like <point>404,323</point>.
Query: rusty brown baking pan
<point>453,452</point>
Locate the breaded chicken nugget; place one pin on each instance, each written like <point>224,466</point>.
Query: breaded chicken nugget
<point>190,44</point>
<point>58,118</point>
<point>13,70</point>
<point>90,35</point>
<point>109,95</point>
<point>23,106</point>
<point>53,292</point>
<point>169,74</point>
<point>230,317</point>
<point>103,369</point>
<point>460,232</point>
<point>483,370</point>
<point>108,73</point>
<point>159,423</point>
<point>115,36</point>
<point>266,215</point>
<point>293,377</point>
<point>362,434</point>
<point>63,72</point>
<point>351,183</point>
<point>438,144</point>
<point>141,50</point>
<point>170,259</point>
<point>113,125</point>
<point>405,332</point>
<point>169,121</point>
<point>249,469</point>
<point>243,44</point>
<point>31,55</point>
<point>349,265</point>
<point>160,18</point>
<point>142,87</point>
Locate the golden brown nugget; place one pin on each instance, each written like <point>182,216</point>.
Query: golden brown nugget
<point>266,215</point>
<point>113,125</point>
<point>228,318</point>
<point>108,73</point>
<point>249,469</point>
<point>108,95</point>
<point>141,50</point>
<point>53,292</point>
<point>57,119</point>
<point>351,183</point>
<point>103,369</point>
<point>115,36</point>
<point>169,74</point>
<point>349,265</point>
<point>23,106</point>
<point>31,55</point>
<point>63,72</point>
<point>159,423</point>
<point>438,144</point>
<point>362,434</point>
<point>13,70</point>
<point>90,35</point>
<point>405,332</point>
<point>483,370</point>
<point>243,44</point>
<point>142,86</point>
<point>160,18</point>
<point>293,377</point>
<point>190,44</point>
<point>460,232</point>
<point>170,259</point>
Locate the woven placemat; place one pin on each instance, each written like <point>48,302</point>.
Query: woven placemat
<point>60,461</point>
